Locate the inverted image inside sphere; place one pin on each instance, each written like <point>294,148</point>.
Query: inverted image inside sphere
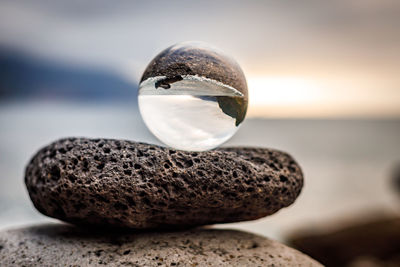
<point>193,97</point>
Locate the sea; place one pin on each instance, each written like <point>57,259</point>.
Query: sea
<point>348,164</point>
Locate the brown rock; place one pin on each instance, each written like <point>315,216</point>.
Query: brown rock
<point>197,59</point>
<point>192,58</point>
<point>63,245</point>
<point>396,179</point>
<point>361,243</point>
<point>129,184</point>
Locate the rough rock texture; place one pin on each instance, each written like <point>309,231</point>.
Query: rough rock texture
<point>129,184</point>
<point>63,245</point>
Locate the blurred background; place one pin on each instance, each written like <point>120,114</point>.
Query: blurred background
<point>323,77</point>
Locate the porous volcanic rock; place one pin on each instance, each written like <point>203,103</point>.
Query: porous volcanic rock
<point>64,245</point>
<point>129,184</point>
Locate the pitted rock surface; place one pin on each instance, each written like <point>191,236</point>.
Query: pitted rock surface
<point>63,245</point>
<point>129,184</point>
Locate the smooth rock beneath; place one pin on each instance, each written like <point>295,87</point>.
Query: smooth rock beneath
<point>130,184</point>
<point>64,245</point>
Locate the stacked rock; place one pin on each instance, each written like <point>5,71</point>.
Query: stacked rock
<point>139,197</point>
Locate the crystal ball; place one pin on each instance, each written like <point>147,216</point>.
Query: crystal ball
<point>193,97</point>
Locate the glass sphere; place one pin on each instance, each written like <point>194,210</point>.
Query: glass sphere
<point>193,97</point>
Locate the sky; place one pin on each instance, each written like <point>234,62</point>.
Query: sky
<point>301,58</point>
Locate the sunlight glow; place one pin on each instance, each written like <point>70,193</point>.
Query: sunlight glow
<point>280,96</point>
<point>294,97</point>
<point>281,90</point>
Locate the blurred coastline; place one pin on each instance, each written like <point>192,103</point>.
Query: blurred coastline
<point>24,76</point>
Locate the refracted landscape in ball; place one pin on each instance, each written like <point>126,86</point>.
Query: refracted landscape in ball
<point>193,97</point>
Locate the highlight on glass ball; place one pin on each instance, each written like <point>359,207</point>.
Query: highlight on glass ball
<point>193,97</point>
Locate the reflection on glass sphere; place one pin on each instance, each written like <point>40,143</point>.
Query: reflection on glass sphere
<point>193,97</point>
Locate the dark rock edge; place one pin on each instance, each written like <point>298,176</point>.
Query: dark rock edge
<point>129,184</point>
